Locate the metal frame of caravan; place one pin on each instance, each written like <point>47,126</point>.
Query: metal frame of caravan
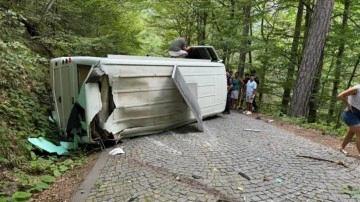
<point>140,85</point>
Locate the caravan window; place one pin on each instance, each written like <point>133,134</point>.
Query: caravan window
<point>83,71</point>
<point>202,52</point>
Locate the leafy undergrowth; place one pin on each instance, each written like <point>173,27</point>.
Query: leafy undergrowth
<point>319,126</point>
<point>24,105</point>
<point>19,183</point>
<point>354,192</point>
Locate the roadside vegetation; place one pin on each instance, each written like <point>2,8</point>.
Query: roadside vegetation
<point>267,36</point>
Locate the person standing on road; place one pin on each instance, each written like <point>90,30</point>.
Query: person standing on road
<point>229,88</point>
<point>237,84</point>
<point>243,90</point>
<point>351,115</point>
<point>257,80</point>
<point>250,94</point>
<point>178,48</point>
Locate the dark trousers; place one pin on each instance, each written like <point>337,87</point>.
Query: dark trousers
<point>228,102</point>
<point>254,104</point>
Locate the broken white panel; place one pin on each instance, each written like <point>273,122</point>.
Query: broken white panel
<point>188,96</point>
<point>92,103</point>
<point>146,100</point>
<point>117,151</point>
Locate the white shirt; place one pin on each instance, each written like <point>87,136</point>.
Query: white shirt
<point>354,100</point>
<point>250,87</point>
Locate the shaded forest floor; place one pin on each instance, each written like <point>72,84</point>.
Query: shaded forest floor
<point>66,186</point>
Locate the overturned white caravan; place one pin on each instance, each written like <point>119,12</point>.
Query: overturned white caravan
<point>121,96</point>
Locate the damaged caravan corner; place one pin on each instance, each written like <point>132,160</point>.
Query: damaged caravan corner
<point>124,96</point>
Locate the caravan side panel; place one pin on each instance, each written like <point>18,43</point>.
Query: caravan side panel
<point>144,96</point>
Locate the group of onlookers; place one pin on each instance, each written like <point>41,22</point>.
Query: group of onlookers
<point>244,89</point>
<point>241,89</point>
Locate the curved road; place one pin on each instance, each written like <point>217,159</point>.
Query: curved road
<point>186,165</point>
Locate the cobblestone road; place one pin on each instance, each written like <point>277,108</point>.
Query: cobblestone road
<point>186,165</point>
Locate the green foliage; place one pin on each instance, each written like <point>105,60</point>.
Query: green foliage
<point>293,120</point>
<point>21,196</point>
<point>57,173</point>
<point>97,185</point>
<point>40,186</point>
<point>30,34</point>
<point>354,192</point>
<point>39,174</point>
<point>326,128</point>
<point>47,178</point>
<point>22,112</point>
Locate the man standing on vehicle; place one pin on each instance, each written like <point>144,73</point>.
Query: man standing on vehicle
<point>178,48</point>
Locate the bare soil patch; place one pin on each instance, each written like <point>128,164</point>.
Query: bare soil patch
<point>63,189</point>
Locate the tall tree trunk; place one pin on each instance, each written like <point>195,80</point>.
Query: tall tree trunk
<point>230,32</point>
<point>250,55</point>
<point>313,103</point>
<point>46,9</point>
<point>339,57</point>
<point>244,46</point>
<point>293,59</point>
<point>201,24</point>
<point>312,55</point>
<point>309,10</point>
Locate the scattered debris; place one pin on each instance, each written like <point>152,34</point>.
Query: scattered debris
<point>278,180</point>
<point>253,130</point>
<point>241,189</point>
<point>341,163</point>
<point>269,121</point>
<point>133,198</point>
<point>357,156</point>
<point>177,178</point>
<point>244,175</point>
<point>48,146</point>
<point>196,176</point>
<point>344,151</point>
<point>116,151</point>
<point>266,178</point>
<point>320,159</point>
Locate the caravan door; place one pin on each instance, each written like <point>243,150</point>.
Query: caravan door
<point>64,93</point>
